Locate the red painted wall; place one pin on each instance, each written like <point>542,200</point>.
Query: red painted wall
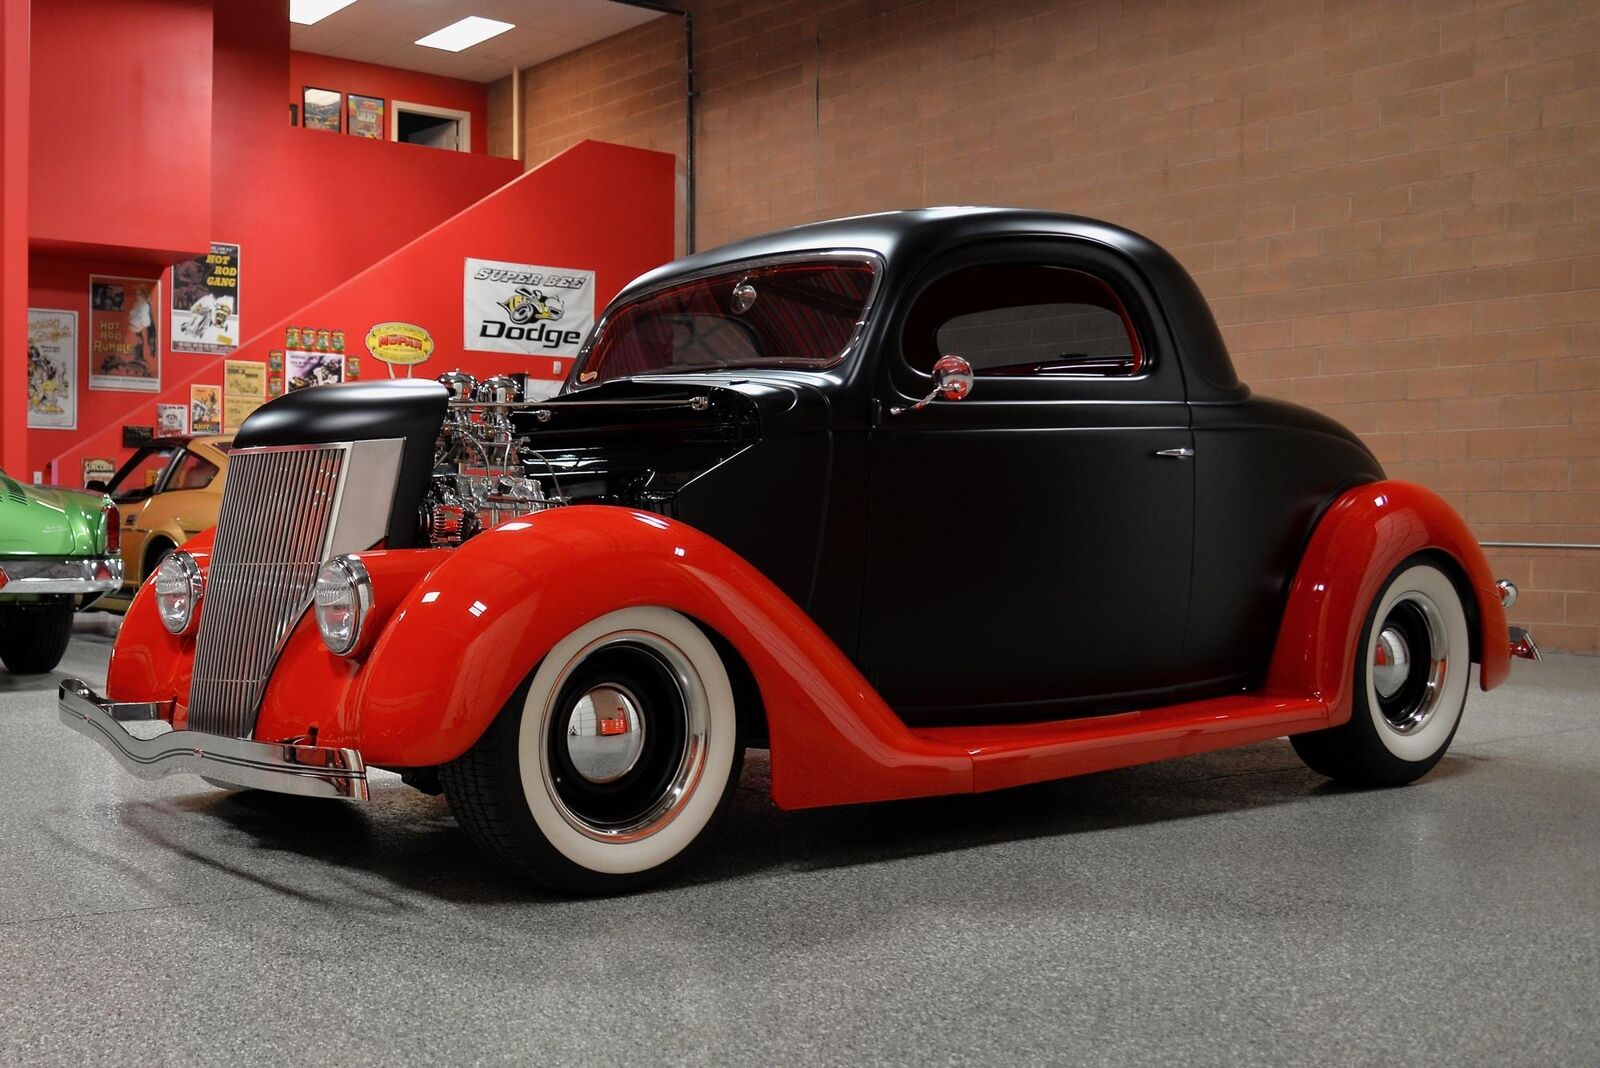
<point>616,219</point>
<point>391,83</point>
<point>121,121</point>
<point>14,62</point>
<point>308,209</point>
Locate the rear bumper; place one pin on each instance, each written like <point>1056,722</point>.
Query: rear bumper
<point>45,574</point>
<point>307,770</point>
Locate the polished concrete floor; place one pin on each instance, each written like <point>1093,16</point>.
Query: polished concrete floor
<point>1227,909</point>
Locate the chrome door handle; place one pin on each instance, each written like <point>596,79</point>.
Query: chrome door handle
<point>1177,454</point>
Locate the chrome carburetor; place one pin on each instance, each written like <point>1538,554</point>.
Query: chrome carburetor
<point>479,479</point>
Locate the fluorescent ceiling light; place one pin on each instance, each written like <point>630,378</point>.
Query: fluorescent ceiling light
<point>306,12</point>
<point>466,33</point>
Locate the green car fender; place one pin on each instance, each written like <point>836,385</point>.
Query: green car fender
<point>51,521</point>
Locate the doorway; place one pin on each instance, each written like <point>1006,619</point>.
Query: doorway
<point>423,124</point>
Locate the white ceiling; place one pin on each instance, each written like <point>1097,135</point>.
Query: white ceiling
<point>382,31</point>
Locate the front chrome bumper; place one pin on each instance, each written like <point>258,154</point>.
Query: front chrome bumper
<point>46,574</point>
<point>287,768</point>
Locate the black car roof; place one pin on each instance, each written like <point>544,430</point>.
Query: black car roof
<point>911,236</point>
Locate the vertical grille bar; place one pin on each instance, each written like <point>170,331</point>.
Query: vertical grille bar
<point>273,531</point>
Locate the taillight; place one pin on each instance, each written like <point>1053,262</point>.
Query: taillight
<point>113,529</point>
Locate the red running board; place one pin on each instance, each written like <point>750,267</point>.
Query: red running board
<point>1014,754</point>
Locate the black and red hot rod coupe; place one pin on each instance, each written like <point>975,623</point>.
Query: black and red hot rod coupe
<point>924,503</point>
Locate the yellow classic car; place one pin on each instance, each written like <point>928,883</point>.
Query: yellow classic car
<point>168,492</point>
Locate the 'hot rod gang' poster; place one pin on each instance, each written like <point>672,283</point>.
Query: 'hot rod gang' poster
<point>205,302</point>
<point>124,339</point>
<point>543,312</point>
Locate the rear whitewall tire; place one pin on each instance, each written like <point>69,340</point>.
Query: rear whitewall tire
<point>709,756</point>
<point>1402,724</point>
<point>1428,588</point>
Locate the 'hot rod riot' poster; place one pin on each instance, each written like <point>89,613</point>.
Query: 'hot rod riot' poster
<point>124,338</point>
<point>205,302</point>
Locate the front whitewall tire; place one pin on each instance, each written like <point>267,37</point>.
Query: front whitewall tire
<point>711,764</point>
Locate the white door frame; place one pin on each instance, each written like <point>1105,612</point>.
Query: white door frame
<point>462,117</point>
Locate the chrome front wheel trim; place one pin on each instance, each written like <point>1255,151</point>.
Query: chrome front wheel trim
<point>627,791</point>
<point>1410,659</point>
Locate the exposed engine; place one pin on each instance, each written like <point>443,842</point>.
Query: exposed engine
<point>481,464</point>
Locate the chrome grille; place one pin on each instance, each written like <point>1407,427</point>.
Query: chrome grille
<point>278,513</point>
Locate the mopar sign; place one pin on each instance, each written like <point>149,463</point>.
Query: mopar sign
<point>525,308</point>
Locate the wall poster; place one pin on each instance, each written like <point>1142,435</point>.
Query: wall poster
<point>52,369</point>
<point>307,367</point>
<point>544,312</point>
<point>171,419</point>
<point>320,108</point>
<point>205,409</point>
<point>365,118</point>
<point>244,390</point>
<point>205,302</point>
<point>124,341</point>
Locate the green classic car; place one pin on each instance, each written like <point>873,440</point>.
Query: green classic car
<point>58,553</point>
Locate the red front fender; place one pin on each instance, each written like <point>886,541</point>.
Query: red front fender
<point>465,636</point>
<point>1359,541</point>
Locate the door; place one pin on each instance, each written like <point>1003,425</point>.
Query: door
<point>1029,547</point>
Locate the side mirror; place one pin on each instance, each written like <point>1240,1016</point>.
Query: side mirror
<point>952,381</point>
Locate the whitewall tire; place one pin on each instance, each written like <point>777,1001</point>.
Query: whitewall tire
<point>1412,673</point>
<point>611,761</point>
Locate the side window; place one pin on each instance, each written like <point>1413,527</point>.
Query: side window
<point>193,473</point>
<point>1024,321</point>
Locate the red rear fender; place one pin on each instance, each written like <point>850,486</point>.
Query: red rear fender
<point>1360,540</point>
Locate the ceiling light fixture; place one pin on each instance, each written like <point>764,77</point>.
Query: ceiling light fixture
<point>464,34</point>
<point>307,12</point>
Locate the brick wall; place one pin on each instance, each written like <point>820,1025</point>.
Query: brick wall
<point>627,89</point>
<point>1394,207</point>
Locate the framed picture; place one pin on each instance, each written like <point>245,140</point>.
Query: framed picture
<point>321,109</point>
<point>124,333</point>
<point>294,114</point>
<point>364,116</point>
<point>52,369</point>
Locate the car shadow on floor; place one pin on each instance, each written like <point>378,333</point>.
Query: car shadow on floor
<point>412,841</point>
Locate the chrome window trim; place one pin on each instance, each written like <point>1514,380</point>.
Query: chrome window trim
<point>872,259</point>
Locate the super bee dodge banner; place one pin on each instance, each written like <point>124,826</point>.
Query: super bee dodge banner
<point>528,309</point>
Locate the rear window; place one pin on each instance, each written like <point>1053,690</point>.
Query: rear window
<point>790,315</point>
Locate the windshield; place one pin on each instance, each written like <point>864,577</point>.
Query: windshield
<point>140,474</point>
<point>788,315</point>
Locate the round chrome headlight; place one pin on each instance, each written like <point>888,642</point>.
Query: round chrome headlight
<point>179,587</point>
<point>342,600</point>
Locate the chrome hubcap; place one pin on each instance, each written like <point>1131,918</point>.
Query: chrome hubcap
<point>626,732</point>
<point>1409,660</point>
<point>605,734</point>
<point>1391,662</point>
